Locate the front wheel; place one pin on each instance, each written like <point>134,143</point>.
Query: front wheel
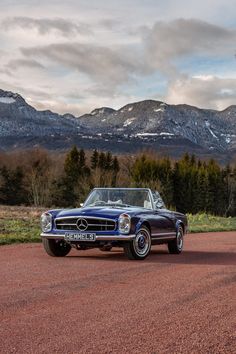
<point>56,248</point>
<point>139,248</point>
<point>176,246</point>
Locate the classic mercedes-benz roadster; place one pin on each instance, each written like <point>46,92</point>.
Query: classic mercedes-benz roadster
<point>132,218</point>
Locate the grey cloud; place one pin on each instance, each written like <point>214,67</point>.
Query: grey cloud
<point>167,41</point>
<point>25,63</point>
<point>203,91</point>
<point>110,23</point>
<point>44,26</point>
<point>2,53</point>
<point>158,49</point>
<point>102,64</point>
<point>155,49</point>
<point>6,71</point>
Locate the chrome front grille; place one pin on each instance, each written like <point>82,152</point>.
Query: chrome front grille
<point>92,224</point>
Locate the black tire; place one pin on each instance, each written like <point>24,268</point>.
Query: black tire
<point>140,247</point>
<point>56,248</point>
<point>176,246</point>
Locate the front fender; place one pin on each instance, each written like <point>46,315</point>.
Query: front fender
<point>139,224</point>
<point>180,223</point>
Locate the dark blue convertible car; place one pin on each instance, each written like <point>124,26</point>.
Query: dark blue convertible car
<point>132,218</point>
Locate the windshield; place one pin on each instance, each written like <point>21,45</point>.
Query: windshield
<point>120,198</point>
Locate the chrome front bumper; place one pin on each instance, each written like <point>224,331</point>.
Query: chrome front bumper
<point>97,237</point>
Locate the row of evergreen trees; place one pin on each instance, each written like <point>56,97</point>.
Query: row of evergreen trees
<point>78,178</point>
<point>187,185</point>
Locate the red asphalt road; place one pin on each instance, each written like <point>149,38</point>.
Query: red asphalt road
<point>96,302</point>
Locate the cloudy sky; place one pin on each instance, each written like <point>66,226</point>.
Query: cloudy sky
<point>76,55</point>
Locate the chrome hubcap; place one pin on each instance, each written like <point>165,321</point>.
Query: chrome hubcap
<point>179,240</point>
<point>142,243</point>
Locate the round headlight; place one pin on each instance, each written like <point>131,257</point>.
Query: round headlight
<point>46,222</point>
<point>124,223</point>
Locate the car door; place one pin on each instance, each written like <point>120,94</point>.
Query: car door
<point>164,222</point>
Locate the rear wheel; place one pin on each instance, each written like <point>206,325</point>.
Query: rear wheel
<point>176,246</point>
<point>56,248</point>
<point>139,248</point>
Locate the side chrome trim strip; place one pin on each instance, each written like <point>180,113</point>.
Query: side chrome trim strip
<point>164,238</point>
<point>164,234</point>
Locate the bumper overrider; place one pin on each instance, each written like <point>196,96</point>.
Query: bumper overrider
<point>117,237</point>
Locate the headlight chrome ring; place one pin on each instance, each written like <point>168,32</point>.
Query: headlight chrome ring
<point>124,223</point>
<point>46,222</point>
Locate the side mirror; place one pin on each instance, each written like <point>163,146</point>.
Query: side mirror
<point>81,204</point>
<point>158,204</point>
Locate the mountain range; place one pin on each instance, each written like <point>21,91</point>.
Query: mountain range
<point>168,129</point>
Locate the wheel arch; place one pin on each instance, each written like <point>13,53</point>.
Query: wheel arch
<point>180,223</point>
<point>142,222</point>
<point>148,226</point>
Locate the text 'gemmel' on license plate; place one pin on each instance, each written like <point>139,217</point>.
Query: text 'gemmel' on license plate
<point>79,237</point>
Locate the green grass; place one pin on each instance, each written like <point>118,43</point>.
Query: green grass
<point>21,224</point>
<point>209,223</point>
<point>19,231</point>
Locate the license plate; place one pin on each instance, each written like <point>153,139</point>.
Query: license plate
<point>79,237</point>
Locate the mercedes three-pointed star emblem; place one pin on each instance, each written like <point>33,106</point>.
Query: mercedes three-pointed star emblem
<point>82,224</point>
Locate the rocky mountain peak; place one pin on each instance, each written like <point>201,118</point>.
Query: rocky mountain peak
<point>8,97</point>
<point>231,108</point>
<point>173,129</point>
<point>102,111</point>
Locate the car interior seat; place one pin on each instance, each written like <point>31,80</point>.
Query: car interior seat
<point>119,201</point>
<point>147,204</point>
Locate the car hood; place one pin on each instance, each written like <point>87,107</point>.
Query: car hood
<point>103,212</point>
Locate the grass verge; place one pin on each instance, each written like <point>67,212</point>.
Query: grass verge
<point>21,224</point>
<point>209,223</point>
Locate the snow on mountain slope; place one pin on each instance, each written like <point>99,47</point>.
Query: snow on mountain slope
<point>147,123</point>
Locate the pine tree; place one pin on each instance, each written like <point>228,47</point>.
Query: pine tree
<point>81,159</point>
<point>108,161</point>
<point>12,190</point>
<point>94,159</point>
<point>115,165</point>
<point>75,183</point>
<point>71,165</point>
<point>200,200</point>
<point>178,195</point>
<point>215,183</point>
<point>102,160</point>
<point>115,169</point>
